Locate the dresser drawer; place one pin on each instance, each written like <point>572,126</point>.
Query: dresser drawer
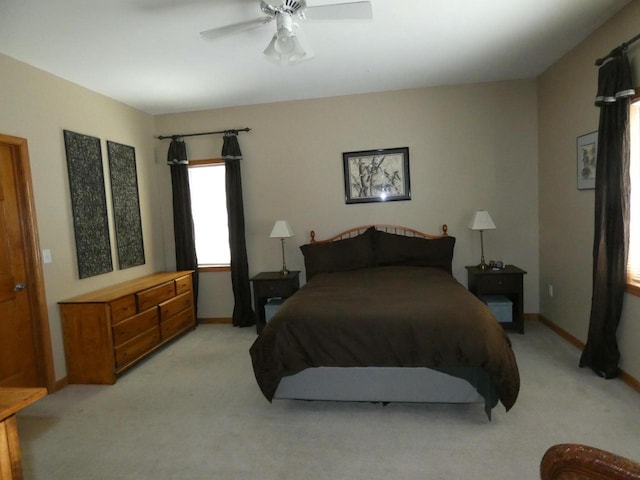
<point>153,296</point>
<point>177,323</point>
<point>183,284</point>
<point>169,308</point>
<point>500,283</point>
<point>122,308</point>
<point>136,347</point>
<point>134,326</point>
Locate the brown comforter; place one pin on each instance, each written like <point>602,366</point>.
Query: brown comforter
<point>386,317</point>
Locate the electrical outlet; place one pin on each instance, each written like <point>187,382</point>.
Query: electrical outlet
<point>550,290</point>
<point>46,255</point>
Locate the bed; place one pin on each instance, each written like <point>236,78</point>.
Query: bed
<point>382,319</point>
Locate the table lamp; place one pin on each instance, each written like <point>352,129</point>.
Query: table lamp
<point>281,229</point>
<point>482,221</point>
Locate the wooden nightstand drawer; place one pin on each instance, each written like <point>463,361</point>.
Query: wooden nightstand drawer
<point>275,288</point>
<point>500,283</point>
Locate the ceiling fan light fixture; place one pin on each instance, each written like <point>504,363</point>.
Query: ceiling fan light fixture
<point>285,49</point>
<point>286,43</point>
<point>298,53</point>
<point>271,51</point>
<point>289,45</point>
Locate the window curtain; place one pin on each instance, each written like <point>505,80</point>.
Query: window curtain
<point>611,232</point>
<point>243,314</point>
<point>183,231</point>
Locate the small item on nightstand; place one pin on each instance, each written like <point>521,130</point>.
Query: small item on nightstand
<point>496,265</point>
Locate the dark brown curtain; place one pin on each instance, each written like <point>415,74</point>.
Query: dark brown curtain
<point>243,314</point>
<point>183,231</point>
<point>611,232</point>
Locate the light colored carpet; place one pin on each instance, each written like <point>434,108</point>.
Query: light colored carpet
<point>194,411</point>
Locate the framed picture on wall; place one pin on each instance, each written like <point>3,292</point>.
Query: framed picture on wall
<point>126,204</point>
<point>376,175</point>
<point>587,152</point>
<point>88,204</point>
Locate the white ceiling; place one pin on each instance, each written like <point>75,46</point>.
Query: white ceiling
<point>149,54</point>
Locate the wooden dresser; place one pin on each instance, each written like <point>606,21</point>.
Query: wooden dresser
<point>107,331</point>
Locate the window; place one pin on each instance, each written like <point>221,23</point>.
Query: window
<point>209,208</point>
<point>633,264</point>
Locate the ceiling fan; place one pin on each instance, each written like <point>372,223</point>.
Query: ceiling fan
<point>287,46</point>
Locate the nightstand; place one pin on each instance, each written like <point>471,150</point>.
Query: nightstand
<point>508,282</point>
<point>268,285</point>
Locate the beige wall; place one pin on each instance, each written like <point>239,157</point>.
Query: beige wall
<point>38,106</point>
<point>566,110</point>
<point>471,147</point>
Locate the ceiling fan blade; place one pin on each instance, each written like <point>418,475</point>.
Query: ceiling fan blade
<point>340,11</point>
<point>232,28</point>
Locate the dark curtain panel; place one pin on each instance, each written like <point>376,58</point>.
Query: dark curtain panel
<point>183,231</point>
<point>243,314</point>
<point>611,232</point>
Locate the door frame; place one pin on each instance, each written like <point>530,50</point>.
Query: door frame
<point>33,262</point>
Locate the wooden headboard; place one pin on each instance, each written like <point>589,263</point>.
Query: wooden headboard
<point>395,229</point>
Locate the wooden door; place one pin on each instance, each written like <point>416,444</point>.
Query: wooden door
<point>26,358</point>
<point>17,346</point>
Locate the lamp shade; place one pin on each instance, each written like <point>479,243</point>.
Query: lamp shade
<point>481,220</point>
<point>285,49</point>
<point>281,229</point>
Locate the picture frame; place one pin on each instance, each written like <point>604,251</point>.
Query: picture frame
<point>126,204</point>
<point>88,204</point>
<point>376,175</point>
<point>586,160</point>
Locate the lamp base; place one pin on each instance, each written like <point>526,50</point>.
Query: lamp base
<point>284,272</point>
<point>482,266</point>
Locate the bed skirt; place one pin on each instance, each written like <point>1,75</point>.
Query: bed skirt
<point>390,384</point>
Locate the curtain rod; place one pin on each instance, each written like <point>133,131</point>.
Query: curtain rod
<point>615,51</point>
<point>180,135</point>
